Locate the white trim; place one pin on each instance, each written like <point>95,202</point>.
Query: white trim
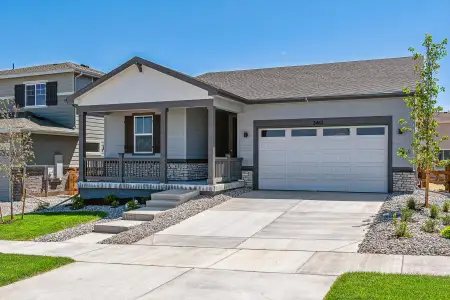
<point>7,98</point>
<point>65,94</point>
<point>34,82</point>
<point>142,134</point>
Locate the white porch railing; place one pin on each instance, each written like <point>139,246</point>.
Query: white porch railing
<point>228,169</point>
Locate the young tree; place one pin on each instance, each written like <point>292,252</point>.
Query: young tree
<point>425,145</point>
<point>16,148</point>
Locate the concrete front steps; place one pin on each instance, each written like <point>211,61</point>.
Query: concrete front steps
<point>160,202</point>
<point>171,198</point>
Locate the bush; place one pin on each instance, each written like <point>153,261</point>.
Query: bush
<point>143,200</point>
<point>402,230</point>
<point>446,220</point>
<point>110,199</point>
<point>78,202</point>
<point>446,232</point>
<point>430,226</point>
<point>446,206</point>
<point>406,215</point>
<point>434,211</point>
<point>132,204</point>
<point>115,203</point>
<point>411,203</point>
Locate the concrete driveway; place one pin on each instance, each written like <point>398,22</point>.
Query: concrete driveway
<point>262,245</point>
<point>275,220</point>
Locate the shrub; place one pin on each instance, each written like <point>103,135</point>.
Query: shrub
<point>394,220</point>
<point>132,204</point>
<point>430,226</point>
<point>143,200</point>
<point>446,220</point>
<point>402,230</point>
<point>78,202</point>
<point>115,203</point>
<point>446,206</point>
<point>434,211</point>
<point>411,203</point>
<point>407,215</point>
<point>108,200</point>
<point>446,232</point>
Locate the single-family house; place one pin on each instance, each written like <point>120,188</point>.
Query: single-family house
<point>325,127</point>
<point>40,92</point>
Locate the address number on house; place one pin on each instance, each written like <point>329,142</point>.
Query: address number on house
<point>318,122</point>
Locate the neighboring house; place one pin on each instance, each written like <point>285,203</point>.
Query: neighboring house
<point>40,93</point>
<point>443,119</point>
<point>326,127</point>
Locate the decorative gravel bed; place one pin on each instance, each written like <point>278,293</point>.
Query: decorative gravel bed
<point>113,214</point>
<point>380,237</point>
<point>31,204</point>
<point>173,216</point>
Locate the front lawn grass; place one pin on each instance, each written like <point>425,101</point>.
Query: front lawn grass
<point>15,267</point>
<point>36,225</point>
<point>373,286</point>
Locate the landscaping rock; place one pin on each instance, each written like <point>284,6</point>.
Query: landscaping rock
<point>173,216</point>
<point>380,236</point>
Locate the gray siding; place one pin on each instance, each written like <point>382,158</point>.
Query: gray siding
<point>196,133</point>
<point>82,81</point>
<point>63,113</point>
<point>46,146</point>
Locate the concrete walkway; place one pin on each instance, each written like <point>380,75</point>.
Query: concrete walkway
<point>259,246</point>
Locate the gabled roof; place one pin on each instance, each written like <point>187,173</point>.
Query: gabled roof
<point>52,68</point>
<point>28,122</point>
<point>139,62</point>
<point>442,117</point>
<point>343,79</point>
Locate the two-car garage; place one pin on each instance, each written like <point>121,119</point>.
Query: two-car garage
<point>341,158</point>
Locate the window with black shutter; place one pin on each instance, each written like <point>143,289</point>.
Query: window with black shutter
<point>19,95</point>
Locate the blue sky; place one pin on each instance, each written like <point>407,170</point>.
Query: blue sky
<point>200,36</point>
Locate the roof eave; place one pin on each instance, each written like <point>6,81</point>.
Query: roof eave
<point>330,97</point>
<point>28,74</point>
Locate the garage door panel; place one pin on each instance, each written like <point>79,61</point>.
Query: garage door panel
<point>273,157</point>
<point>354,162</point>
<point>302,156</point>
<point>370,144</point>
<point>335,156</point>
<point>272,183</point>
<point>301,170</point>
<point>272,172</point>
<point>373,156</point>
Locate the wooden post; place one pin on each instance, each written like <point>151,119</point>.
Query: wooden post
<point>211,145</point>
<point>447,178</point>
<point>82,145</point>
<point>46,181</point>
<point>121,167</point>
<point>427,185</point>
<point>163,147</point>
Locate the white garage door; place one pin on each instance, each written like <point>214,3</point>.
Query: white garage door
<point>324,159</point>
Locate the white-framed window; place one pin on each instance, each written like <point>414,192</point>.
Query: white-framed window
<point>35,94</point>
<point>143,134</point>
<point>93,147</point>
<point>444,154</point>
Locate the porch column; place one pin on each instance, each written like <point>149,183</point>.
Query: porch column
<point>82,145</point>
<point>163,147</point>
<point>211,145</point>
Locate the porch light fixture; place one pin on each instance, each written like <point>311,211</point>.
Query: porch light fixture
<point>245,134</point>
<point>400,131</point>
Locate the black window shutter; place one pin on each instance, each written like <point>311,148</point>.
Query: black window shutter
<point>129,134</point>
<point>52,93</point>
<point>19,95</point>
<point>156,134</point>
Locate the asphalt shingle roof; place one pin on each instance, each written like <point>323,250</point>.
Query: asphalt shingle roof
<point>31,123</point>
<point>321,80</point>
<point>52,67</point>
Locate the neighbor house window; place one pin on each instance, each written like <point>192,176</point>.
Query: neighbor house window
<point>444,154</point>
<point>93,147</point>
<point>143,134</point>
<point>35,94</point>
